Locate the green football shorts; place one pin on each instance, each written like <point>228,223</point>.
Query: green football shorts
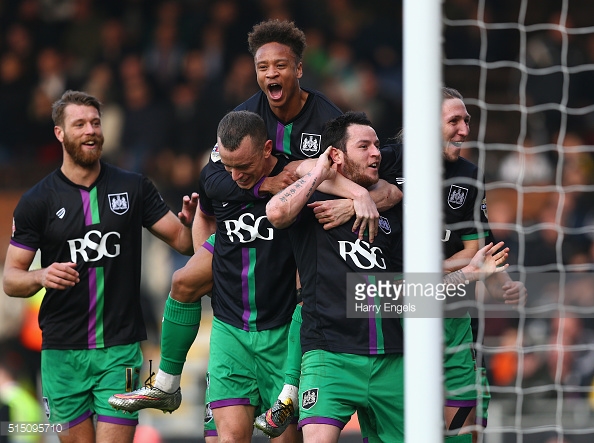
<point>76,383</point>
<point>246,368</point>
<point>334,385</point>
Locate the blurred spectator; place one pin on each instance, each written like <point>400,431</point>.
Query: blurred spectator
<point>145,126</point>
<point>577,167</point>
<point>114,45</point>
<point>548,49</point>
<point>526,167</point>
<point>45,148</point>
<point>240,83</point>
<point>566,361</point>
<point>19,41</point>
<point>82,37</point>
<point>52,74</point>
<point>276,9</point>
<point>163,57</point>
<point>14,96</point>
<point>101,84</point>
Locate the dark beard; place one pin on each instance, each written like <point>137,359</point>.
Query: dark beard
<point>351,172</point>
<point>81,157</point>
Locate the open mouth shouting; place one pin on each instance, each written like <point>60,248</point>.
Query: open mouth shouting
<point>275,91</point>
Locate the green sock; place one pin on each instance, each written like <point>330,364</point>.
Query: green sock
<point>293,365</point>
<point>178,332</point>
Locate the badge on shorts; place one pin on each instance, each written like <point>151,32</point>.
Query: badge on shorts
<point>457,196</point>
<point>309,398</point>
<point>310,144</point>
<point>207,414</point>
<point>46,407</point>
<point>119,203</point>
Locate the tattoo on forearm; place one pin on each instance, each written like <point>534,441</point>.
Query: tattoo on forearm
<point>456,277</point>
<point>291,191</point>
<point>312,188</point>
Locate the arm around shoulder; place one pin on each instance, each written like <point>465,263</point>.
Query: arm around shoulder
<point>283,208</point>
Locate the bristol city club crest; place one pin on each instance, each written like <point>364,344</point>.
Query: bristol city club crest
<point>119,203</point>
<point>309,398</point>
<point>310,144</point>
<point>457,196</point>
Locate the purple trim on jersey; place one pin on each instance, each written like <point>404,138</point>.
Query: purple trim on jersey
<point>211,433</point>
<point>245,289</point>
<point>210,248</point>
<point>372,325</point>
<point>86,201</point>
<point>92,326</point>
<point>203,210</point>
<point>460,403</point>
<point>117,420</point>
<point>484,422</point>
<point>229,402</point>
<point>365,440</point>
<point>321,421</point>
<point>257,188</point>
<point>19,245</point>
<point>77,420</point>
<point>280,136</point>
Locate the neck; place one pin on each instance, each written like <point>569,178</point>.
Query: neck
<point>292,107</point>
<point>80,175</point>
<point>270,164</point>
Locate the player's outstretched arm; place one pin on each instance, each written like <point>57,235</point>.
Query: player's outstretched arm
<point>487,261</point>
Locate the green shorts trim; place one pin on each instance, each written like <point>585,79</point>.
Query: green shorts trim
<point>76,383</point>
<point>334,385</point>
<point>245,367</point>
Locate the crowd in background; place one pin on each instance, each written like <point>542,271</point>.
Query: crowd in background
<point>168,70</point>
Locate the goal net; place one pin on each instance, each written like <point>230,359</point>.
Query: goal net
<point>526,71</point>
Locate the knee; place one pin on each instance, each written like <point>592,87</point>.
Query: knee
<point>181,291</point>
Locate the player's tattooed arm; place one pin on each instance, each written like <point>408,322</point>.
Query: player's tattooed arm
<point>283,208</point>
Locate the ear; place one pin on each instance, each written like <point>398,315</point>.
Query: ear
<point>336,155</point>
<point>59,133</point>
<point>267,148</point>
<point>299,69</point>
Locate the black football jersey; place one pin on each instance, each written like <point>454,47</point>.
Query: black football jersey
<point>100,229</point>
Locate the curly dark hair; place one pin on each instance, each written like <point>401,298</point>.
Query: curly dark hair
<point>283,32</point>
